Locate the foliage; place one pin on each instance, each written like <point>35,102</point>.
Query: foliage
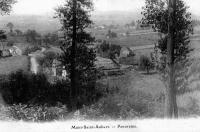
<point>78,61</point>
<point>111,34</point>
<point>32,36</point>
<point>5,6</point>
<point>10,25</point>
<point>145,63</point>
<point>156,12</point>
<point>31,49</point>
<point>104,47</point>
<point>34,113</point>
<point>18,32</point>
<point>110,49</point>
<point>27,88</point>
<point>51,39</point>
<point>48,59</point>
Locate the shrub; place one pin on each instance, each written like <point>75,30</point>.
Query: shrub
<point>109,50</point>
<point>31,49</point>
<point>111,34</point>
<point>36,113</point>
<point>104,46</point>
<point>114,50</point>
<point>48,59</point>
<point>29,88</point>
<point>145,63</point>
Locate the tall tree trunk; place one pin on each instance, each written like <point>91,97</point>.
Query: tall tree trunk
<point>170,102</point>
<point>73,53</point>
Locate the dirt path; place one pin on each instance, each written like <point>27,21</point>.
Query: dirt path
<point>33,60</point>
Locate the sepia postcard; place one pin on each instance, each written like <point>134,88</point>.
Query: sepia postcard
<point>99,65</point>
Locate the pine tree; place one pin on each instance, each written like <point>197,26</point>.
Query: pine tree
<point>78,55</point>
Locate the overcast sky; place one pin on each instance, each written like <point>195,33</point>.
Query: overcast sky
<point>37,7</point>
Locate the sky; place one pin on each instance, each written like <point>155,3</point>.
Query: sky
<point>38,7</point>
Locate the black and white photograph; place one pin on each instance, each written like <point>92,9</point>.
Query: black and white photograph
<point>99,65</point>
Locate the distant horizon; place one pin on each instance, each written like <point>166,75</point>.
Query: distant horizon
<point>31,7</point>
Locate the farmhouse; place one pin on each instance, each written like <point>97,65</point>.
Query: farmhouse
<point>58,70</point>
<point>125,52</point>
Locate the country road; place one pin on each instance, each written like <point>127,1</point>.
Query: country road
<point>33,60</point>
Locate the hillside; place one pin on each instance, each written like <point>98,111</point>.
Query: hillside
<point>46,23</point>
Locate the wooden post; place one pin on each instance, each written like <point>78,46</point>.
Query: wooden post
<point>170,102</point>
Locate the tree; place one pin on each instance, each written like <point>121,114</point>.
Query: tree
<point>32,36</point>
<point>50,38</point>
<point>19,32</point>
<point>146,63</point>
<point>10,26</point>
<point>5,6</point>
<point>111,34</point>
<point>78,58</point>
<point>173,22</point>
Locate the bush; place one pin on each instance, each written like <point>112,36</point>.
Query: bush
<point>109,50</point>
<point>31,49</point>
<point>29,88</point>
<point>36,113</point>
<point>48,59</point>
<point>145,63</point>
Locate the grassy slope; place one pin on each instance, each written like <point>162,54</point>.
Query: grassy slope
<point>146,92</point>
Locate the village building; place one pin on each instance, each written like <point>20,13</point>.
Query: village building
<point>125,52</point>
<point>58,70</point>
<point>13,51</point>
